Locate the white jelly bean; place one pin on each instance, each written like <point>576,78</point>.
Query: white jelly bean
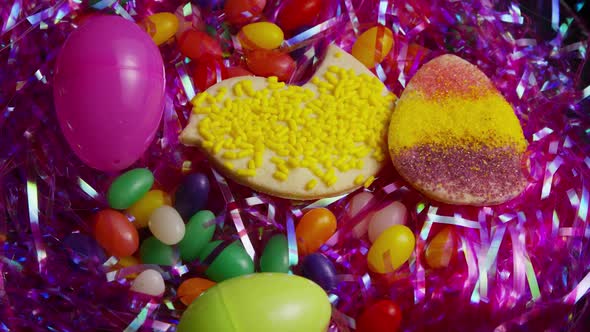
<point>167,225</point>
<point>393,214</point>
<point>149,282</point>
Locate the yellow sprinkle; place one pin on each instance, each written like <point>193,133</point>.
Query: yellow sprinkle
<point>218,146</point>
<point>311,184</point>
<point>369,181</point>
<point>229,165</point>
<point>359,180</point>
<point>338,55</point>
<point>251,164</point>
<point>280,176</point>
<point>246,172</point>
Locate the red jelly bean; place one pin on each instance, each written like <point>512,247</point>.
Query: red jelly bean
<point>115,233</point>
<point>271,63</point>
<point>197,44</point>
<point>382,316</point>
<point>239,12</point>
<point>237,72</point>
<point>296,14</point>
<point>209,71</point>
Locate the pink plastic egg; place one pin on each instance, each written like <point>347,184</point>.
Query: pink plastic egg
<point>109,92</point>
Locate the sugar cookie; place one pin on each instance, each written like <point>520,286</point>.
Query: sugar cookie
<point>454,137</point>
<point>324,138</point>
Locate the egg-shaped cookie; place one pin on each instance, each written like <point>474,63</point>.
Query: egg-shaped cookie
<point>455,138</point>
<point>322,139</point>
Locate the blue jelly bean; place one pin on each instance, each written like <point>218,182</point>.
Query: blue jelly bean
<point>84,247</point>
<point>210,4</point>
<point>192,194</point>
<point>319,269</point>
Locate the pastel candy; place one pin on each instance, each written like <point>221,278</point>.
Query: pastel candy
<point>393,214</point>
<point>149,282</point>
<point>455,138</point>
<point>167,225</point>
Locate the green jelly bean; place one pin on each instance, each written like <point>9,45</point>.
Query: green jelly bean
<point>129,188</point>
<point>275,257</point>
<point>199,231</point>
<point>153,251</point>
<point>232,262</point>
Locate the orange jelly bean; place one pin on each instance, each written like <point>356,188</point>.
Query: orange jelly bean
<point>192,288</point>
<point>115,233</point>
<point>314,229</point>
<point>441,249</point>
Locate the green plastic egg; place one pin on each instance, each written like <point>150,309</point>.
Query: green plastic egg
<point>262,302</point>
<point>231,262</point>
<point>129,188</point>
<point>275,257</point>
<point>199,231</point>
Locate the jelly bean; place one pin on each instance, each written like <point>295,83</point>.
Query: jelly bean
<point>296,14</point>
<point>373,45</point>
<point>143,209</point>
<point>161,27</point>
<point>210,4</point>
<point>197,44</point>
<point>149,282</point>
<point>199,231</point>
<point>115,233</point>
<point>391,249</point>
<point>129,187</point>
<point>189,18</point>
<point>275,257</point>
<point>382,316</point>
<point>167,225</point>
<point>237,72</point>
<point>84,247</point>
<point>314,229</point>
<point>261,35</point>
<point>192,288</point>
<point>152,251</point>
<point>262,302</point>
<point>393,214</point>
<point>357,203</point>
<point>238,12</point>
<point>271,63</point>
<point>208,71</point>
<point>192,194</point>
<point>231,262</point>
<point>319,269</point>
<point>441,249</point>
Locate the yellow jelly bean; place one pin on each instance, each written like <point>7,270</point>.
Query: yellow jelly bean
<point>142,209</point>
<point>161,27</point>
<point>126,261</point>
<point>373,45</point>
<point>391,249</point>
<point>261,35</point>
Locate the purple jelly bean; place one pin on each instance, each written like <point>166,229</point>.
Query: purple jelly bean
<point>192,194</point>
<point>319,269</point>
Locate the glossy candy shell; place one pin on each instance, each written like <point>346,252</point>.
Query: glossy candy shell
<point>129,187</point>
<point>199,231</point>
<point>233,261</point>
<point>115,233</point>
<point>275,257</point>
<point>391,249</point>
